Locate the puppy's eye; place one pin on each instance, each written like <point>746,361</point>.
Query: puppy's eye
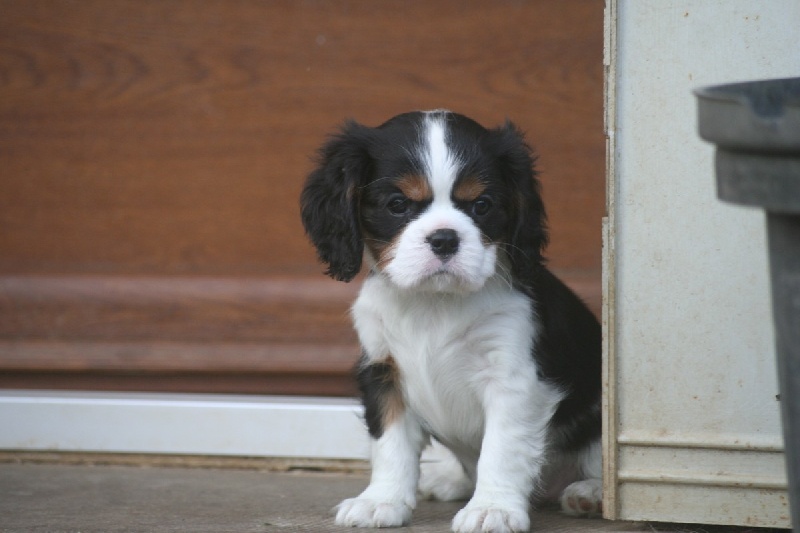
<point>398,205</point>
<point>481,206</point>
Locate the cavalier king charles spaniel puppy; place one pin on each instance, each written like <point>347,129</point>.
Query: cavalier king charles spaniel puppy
<point>468,340</point>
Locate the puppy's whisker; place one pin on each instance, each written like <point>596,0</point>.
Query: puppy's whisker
<point>505,274</point>
<point>510,246</point>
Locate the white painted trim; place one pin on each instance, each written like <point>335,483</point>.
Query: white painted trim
<point>691,417</point>
<point>710,441</point>
<point>704,480</point>
<point>609,371</point>
<point>191,424</point>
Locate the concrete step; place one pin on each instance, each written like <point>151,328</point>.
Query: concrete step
<point>57,498</point>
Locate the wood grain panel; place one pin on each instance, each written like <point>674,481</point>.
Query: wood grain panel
<point>281,335</point>
<point>173,136</point>
<point>277,335</point>
<point>235,367</point>
<point>202,309</point>
<point>152,154</point>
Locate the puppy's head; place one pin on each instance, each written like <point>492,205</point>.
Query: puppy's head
<point>430,199</point>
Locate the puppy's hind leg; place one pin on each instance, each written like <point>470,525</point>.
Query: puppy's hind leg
<point>585,497</point>
<point>442,477</point>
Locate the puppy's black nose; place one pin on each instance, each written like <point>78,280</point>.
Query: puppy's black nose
<point>444,242</point>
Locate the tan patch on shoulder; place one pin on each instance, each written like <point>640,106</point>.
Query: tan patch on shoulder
<point>415,187</point>
<point>469,189</point>
<point>393,405</point>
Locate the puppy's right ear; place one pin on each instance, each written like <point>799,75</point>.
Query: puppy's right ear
<point>330,198</point>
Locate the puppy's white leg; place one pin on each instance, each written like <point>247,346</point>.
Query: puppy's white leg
<point>585,497</point>
<point>512,454</point>
<point>441,475</point>
<point>391,494</point>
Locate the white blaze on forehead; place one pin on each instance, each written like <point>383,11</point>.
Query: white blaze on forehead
<point>441,165</point>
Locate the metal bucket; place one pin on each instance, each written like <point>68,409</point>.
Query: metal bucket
<point>756,129</point>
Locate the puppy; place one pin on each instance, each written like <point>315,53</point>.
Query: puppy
<point>466,336</point>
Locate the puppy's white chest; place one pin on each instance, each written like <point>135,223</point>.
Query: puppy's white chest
<point>440,372</point>
<point>448,349</point>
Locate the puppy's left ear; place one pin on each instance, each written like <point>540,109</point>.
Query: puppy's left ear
<point>329,202</point>
<point>528,233</point>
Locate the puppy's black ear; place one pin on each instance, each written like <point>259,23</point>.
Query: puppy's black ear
<point>528,232</point>
<point>329,202</point>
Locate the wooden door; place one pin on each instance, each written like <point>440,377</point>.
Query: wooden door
<point>152,154</point>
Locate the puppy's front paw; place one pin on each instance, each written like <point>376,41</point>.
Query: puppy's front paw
<point>491,518</point>
<point>366,512</point>
<point>583,498</point>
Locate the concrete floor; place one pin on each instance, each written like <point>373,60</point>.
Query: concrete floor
<point>59,498</point>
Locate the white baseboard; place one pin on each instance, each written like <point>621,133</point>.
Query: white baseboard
<point>190,424</point>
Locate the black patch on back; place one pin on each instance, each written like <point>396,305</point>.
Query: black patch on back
<point>568,353</point>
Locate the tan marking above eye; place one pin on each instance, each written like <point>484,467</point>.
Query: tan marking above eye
<point>415,187</point>
<point>469,189</point>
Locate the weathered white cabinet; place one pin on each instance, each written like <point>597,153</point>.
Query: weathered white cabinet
<point>692,429</point>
